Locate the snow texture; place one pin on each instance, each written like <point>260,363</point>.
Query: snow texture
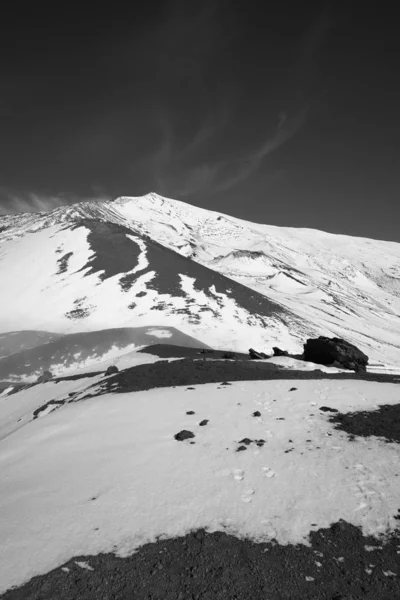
<point>107,475</point>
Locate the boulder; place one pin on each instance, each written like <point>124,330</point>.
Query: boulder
<point>335,352</point>
<point>111,370</point>
<point>278,352</point>
<point>254,355</point>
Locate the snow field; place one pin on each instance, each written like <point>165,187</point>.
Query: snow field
<point>106,474</point>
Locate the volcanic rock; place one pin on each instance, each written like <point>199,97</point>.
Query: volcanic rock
<point>278,352</point>
<point>183,435</point>
<point>326,351</point>
<point>254,355</point>
<point>111,370</point>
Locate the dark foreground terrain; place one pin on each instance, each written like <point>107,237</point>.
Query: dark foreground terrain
<point>339,564</point>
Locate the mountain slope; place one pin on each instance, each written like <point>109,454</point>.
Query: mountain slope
<point>77,351</point>
<point>298,282</point>
<point>90,274</point>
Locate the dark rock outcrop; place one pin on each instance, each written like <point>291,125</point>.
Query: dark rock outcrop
<point>254,355</point>
<point>184,435</point>
<point>111,370</point>
<point>278,352</point>
<point>327,351</point>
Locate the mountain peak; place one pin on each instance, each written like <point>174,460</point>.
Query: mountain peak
<point>329,284</point>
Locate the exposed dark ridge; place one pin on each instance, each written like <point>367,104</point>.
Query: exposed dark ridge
<point>114,254</point>
<point>339,564</point>
<point>192,371</point>
<point>63,263</point>
<point>78,376</point>
<point>88,344</point>
<point>384,422</point>
<point>172,351</point>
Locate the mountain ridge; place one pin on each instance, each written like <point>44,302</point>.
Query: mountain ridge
<point>325,284</point>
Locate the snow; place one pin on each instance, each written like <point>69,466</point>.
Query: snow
<point>301,365</point>
<point>16,410</point>
<point>160,333</point>
<point>337,285</point>
<point>107,475</point>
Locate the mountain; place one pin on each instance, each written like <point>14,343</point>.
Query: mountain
<point>152,261</point>
<point>67,354</point>
<point>183,474</point>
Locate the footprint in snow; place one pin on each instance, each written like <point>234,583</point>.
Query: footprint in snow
<point>247,495</point>
<point>268,472</point>
<point>238,474</point>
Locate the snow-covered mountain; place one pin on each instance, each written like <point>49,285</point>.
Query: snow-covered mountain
<point>153,261</point>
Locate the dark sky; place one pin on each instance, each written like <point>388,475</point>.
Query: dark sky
<point>281,112</point>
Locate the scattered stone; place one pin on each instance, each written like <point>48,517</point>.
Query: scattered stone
<point>278,352</point>
<point>328,409</point>
<point>246,441</point>
<point>190,412</point>
<point>225,383</point>
<point>293,389</point>
<point>190,388</point>
<point>257,413</point>
<point>254,355</point>
<point>203,422</point>
<point>326,351</point>
<point>241,448</point>
<point>183,435</point>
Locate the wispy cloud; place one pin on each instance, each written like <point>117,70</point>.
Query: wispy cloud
<point>184,167</point>
<point>177,174</point>
<point>13,202</point>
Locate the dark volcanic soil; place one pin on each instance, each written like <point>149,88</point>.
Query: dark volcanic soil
<point>339,564</point>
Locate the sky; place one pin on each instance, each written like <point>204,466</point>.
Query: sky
<point>283,113</point>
